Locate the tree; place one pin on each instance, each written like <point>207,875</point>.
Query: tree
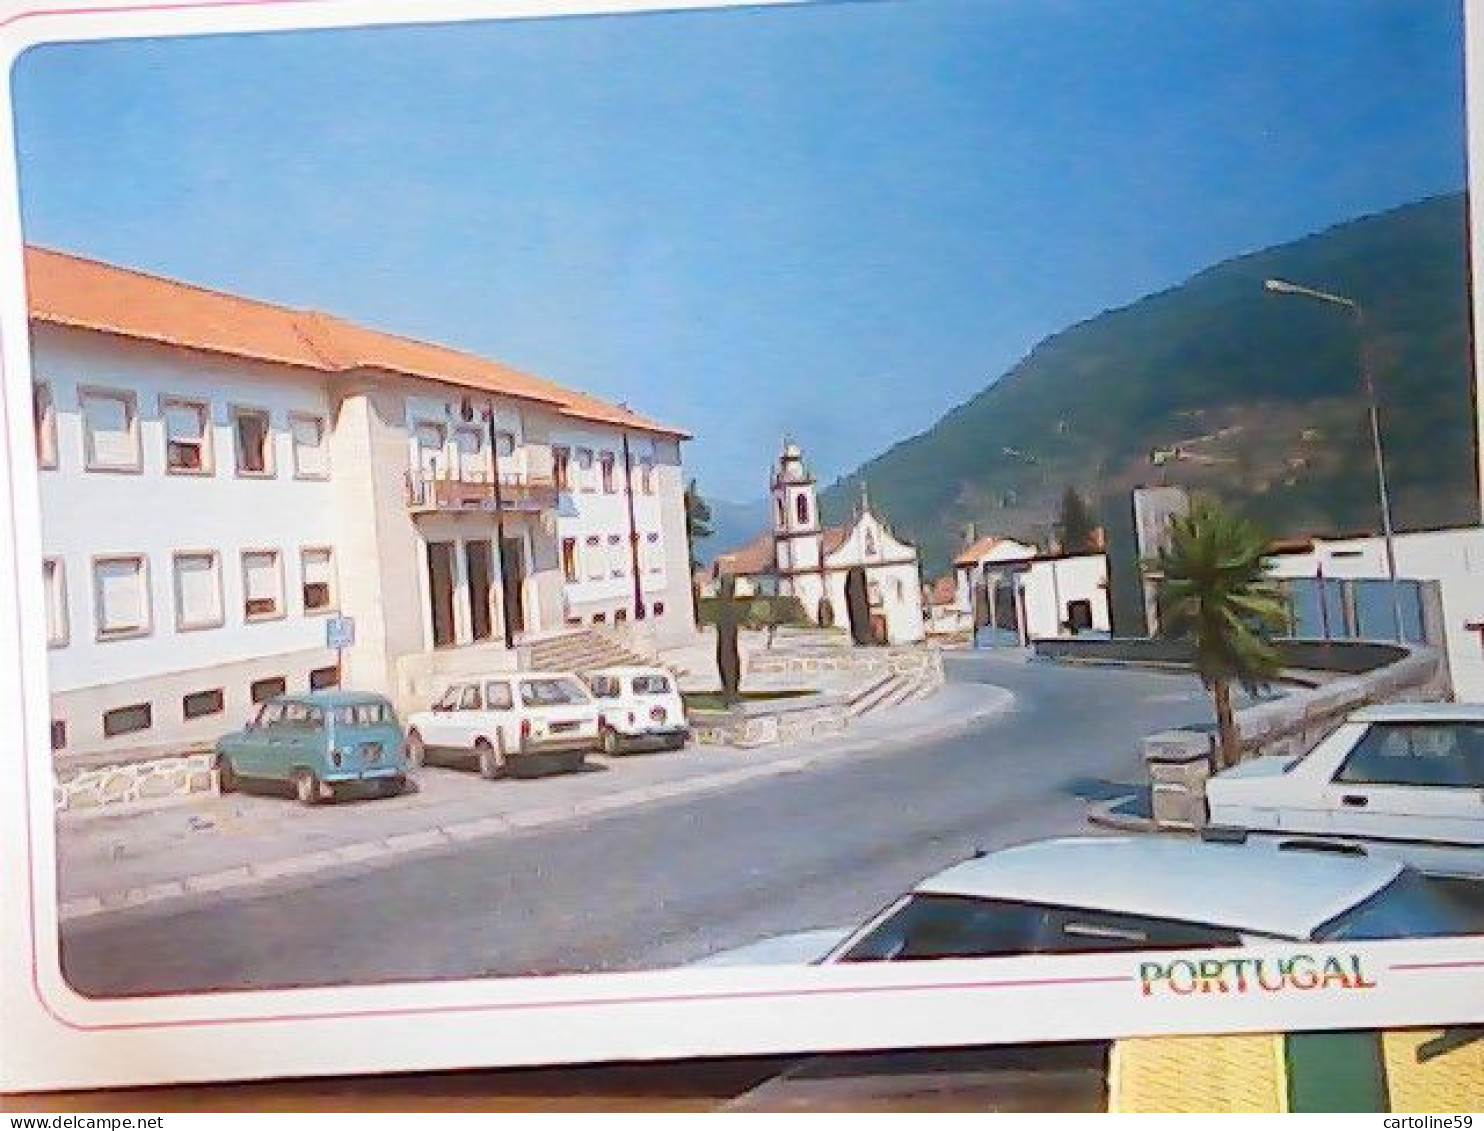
<point>1215,593</point>
<point>728,656</point>
<point>697,521</point>
<point>1076,529</point>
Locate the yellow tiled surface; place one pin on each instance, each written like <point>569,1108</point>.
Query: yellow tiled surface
<point>1198,1074</point>
<point>1452,1081</point>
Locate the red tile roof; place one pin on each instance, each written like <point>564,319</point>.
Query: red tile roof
<point>757,556</point>
<point>67,290</point>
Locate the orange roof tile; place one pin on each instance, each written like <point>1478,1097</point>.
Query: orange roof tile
<point>68,290</point>
<point>757,556</point>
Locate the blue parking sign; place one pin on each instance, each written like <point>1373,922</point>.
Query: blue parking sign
<point>340,632</point>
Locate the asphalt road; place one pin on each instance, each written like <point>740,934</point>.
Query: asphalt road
<point>669,882</point>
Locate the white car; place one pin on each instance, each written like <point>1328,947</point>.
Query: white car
<point>508,725</point>
<point>638,707</point>
<point>1132,893</point>
<point>1404,780</point>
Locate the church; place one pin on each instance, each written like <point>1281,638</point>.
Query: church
<point>800,557</point>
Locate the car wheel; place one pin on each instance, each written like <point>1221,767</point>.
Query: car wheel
<point>490,761</point>
<point>226,777</point>
<point>417,752</point>
<point>306,787</point>
<point>611,745</point>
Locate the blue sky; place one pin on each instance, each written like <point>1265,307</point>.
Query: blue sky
<point>836,220</point>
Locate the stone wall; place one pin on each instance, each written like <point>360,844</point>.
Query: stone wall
<point>116,783</point>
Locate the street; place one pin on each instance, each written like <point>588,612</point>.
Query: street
<point>672,881</point>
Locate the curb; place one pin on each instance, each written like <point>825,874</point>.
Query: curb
<point>392,849</point>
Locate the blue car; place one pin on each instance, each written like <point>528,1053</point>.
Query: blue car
<point>322,744</point>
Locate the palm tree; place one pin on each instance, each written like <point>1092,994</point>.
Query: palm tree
<point>1215,593</point>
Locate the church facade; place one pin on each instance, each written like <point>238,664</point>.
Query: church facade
<point>801,557</point>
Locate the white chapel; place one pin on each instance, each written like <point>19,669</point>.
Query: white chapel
<point>801,557</point>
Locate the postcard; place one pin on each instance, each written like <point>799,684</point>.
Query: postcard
<point>555,533</point>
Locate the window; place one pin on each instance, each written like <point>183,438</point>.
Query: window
<point>585,469</point>
<point>552,692</point>
<point>607,462</point>
<point>44,417</point>
<point>430,437</point>
<point>498,696</point>
<point>59,734</point>
<point>659,608</point>
<point>110,423</point>
<point>54,577</point>
<point>198,591</point>
<point>600,618</point>
<point>646,476</point>
<point>1429,754</point>
<point>621,616</point>
<point>782,513</point>
<point>262,585</point>
<point>374,713</point>
<point>187,436</point>
<point>127,720</point>
<point>121,596</point>
<point>651,685</point>
<point>470,699</point>
<point>615,556</point>
<point>605,687</point>
<point>561,459</point>
<point>322,679</point>
<point>594,559</point>
<point>468,441</point>
<point>505,444</point>
<point>311,449</point>
<point>1079,615</point>
<point>201,703</point>
<point>318,568</point>
<point>569,558</point>
<point>254,436</point>
<point>870,538</point>
<point>264,689</point>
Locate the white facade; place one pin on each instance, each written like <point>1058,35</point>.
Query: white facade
<point>206,513</point>
<point>970,567</point>
<point>1454,558</point>
<point>1066,594</point>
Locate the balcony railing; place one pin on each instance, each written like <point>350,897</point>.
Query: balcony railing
<point>523,494</point>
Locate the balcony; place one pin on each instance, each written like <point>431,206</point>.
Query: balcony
<point>473,493</point>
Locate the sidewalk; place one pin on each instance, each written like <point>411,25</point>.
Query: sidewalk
<point>204,844</point>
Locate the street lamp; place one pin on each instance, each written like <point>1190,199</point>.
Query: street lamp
<point>1284,287</point>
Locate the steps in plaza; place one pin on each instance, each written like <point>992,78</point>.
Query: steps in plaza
<point>581,650</point>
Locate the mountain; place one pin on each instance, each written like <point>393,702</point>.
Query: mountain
<point>1258,393</point>
<point>733,525</point>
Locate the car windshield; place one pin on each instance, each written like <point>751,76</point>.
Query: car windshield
<point>651,685</point>
<point>363,715</point>
<point>551,692</point>
<point>1411,906</point>
<point>953,926</point>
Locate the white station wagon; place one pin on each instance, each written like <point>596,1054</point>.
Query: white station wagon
<point>512,725</point>
<point>639,707</point>
<point>1404,780</point>
<point>1081,894</point>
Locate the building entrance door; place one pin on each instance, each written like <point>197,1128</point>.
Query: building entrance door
<point>440,592</point>
<point>514,584</point>
<point>481,575</point>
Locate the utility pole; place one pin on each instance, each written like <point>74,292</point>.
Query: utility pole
<point>500,556</point>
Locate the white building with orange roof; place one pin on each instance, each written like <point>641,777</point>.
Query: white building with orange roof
<point>219,476</point>
<point>1026,593</point>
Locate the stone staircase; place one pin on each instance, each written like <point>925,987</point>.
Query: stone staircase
<point>890,690</point>
<point>580,650</point>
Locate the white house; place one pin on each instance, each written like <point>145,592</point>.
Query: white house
<point>801,557</point>
<point>1027,594</point>
<point>1453,558</point>
<point>220,476</point>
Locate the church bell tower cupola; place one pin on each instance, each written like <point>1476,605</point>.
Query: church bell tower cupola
<point>796,529</point>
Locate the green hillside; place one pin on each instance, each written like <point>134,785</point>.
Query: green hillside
<point>1261,392</point>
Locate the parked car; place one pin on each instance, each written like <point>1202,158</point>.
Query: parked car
<point>639,708</point>
<point>515,725</point>
<point>322,743</point>
<point>1404,780</point>
<point>1132,893</point>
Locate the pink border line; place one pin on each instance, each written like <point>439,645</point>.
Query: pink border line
<point>410,1011</point>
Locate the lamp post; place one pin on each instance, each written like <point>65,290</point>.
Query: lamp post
<point>1283,287</point>
<point>500,555</point>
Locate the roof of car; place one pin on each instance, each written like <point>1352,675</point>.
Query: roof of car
<point>510,675</point>
<point>332,698</point>
<point>621,670</point>
<point>1246,887</point>
<point>1420,713</point>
